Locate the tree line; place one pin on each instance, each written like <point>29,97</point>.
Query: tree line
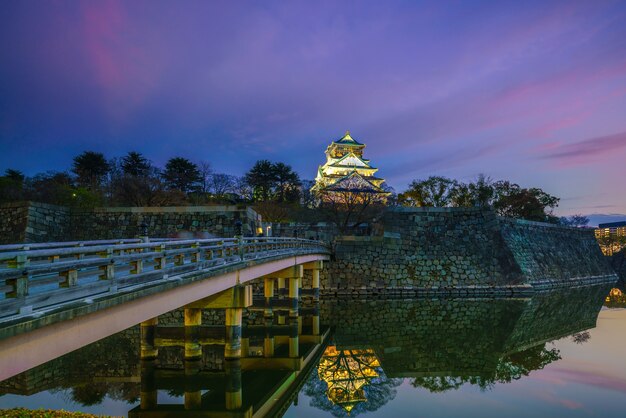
<point>133,180</point>
<point>506,198</point>
<point>275,190</point>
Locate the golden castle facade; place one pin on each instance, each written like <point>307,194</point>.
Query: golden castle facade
<point>347,171</point>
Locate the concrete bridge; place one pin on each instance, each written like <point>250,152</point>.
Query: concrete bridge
<point>61,296</point>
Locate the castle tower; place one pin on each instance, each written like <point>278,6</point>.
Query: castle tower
<point>346,171</point>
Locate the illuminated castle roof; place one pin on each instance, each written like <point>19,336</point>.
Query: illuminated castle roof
<point>346,170</point>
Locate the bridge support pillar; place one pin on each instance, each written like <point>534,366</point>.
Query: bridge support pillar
<point>293,296</point>
<point>315,267</point>
<point>245,347</point>
<point>148,391</point>
<point>233,384</point>
<point>294,340</point>
<point>147,335</point>
<point>232,349</point>
<point>193,319</point>
<point>268,290</point>
<point>192,398</point>
<point>281,293</point>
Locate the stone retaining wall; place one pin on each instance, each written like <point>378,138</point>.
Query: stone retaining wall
<point>442,250</point>
<point>618,262</point>
<point>38,222</point>
<point>13,219</point>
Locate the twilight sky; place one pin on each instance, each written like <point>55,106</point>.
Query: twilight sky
<point>534,92</point>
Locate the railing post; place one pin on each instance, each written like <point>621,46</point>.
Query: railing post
<point>80,256</point>
<point>220,249</point>
<point>70,278</point>
<point>179,259</point>
<point>195,257</point>
<point>108,270</point>
<point>160,262</point>
<point>20,261</point>
<point>20,283</point>
<point>136,266</point>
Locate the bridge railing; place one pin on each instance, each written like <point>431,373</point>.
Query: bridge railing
<point>42,276</point>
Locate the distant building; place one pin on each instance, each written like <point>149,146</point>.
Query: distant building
<point>611,229</point>
<point>346,171</point>
<point>611,237</point>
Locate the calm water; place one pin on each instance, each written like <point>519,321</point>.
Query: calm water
<point>556,354</point>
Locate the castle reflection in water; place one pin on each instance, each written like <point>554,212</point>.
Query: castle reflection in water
<point>346,356</point>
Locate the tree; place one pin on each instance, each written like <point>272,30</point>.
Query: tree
<point>206,174</point>
<point>90,168</point>
<point>287,183</point>
<point>12,186</point>
<point>262,179</point>
<point>434,191</point>
<point>574,220</point>
<point>221,183</point>
<point>479,193</point>
<point>273,182</point>
<point>273,211</point>
<point>515,202</point>
<point>136,165</point>
<point>181,174</point>
<point>243,189</point>
<point>56,188</point>
<point>482,191</point>
<point>349,210</point>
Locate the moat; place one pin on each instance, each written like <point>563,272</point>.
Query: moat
<point>557,353</point>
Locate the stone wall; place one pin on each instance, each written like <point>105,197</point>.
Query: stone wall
<point>33,222</point>
<point>47,223</point>
<point>618,262</point>
<point>37,222</point>
<point>548,254</point>
<point>316,230</point>
<point>13,219</point>
<point>110,223</point>
<point>440,249</point>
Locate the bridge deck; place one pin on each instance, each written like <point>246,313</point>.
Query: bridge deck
<point>43,277</point>
<point>60,298</point>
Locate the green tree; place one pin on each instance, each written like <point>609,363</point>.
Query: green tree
<point>262,179</point>
<point>181,174</point>
<point>532,204</point>
<point>56,188</point>
<point>135,164</point>
<point>479,193</point>
<point>12,186</point>
<point>90,169</point>
<point>287,183</point>
<point>434,191</point>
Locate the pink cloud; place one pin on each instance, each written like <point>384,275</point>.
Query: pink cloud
<point>579,152</point>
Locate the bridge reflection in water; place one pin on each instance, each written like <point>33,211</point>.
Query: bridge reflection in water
<point>437,345</point>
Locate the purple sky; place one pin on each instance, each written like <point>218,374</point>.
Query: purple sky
<point>534,93</point>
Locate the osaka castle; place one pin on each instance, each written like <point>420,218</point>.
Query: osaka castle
<point>347,172</point>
